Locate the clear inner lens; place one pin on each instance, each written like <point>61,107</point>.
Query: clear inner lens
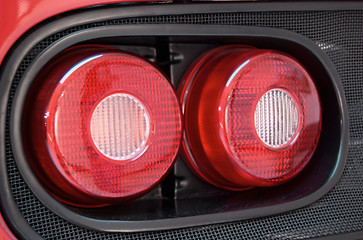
<point>120,126</point>
<point>276,118</point>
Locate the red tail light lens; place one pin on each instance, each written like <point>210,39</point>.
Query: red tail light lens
<point>106,126</point>
<point>252,117</point>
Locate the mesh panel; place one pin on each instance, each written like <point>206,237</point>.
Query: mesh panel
<point>339,34</point>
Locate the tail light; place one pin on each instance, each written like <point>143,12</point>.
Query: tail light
<point>252,117</point>
<point>106,126</point>
<point>39,191</point>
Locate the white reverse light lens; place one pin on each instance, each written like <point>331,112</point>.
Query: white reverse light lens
<point>277,118</point>
<point>120,126</point>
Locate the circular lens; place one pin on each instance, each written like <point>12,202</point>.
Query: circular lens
<point>106,126</point>
<point>120,126</point>
<point>252,117</point>
<point>277,118</point>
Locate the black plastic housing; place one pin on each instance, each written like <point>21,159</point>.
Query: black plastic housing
<point>194,202</point>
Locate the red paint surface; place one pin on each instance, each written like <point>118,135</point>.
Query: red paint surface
<point>18,16</point>
<point>5,233</point>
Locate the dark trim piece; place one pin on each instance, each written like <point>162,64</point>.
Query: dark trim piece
<point>346,236</point>
<point>11,213</point>
<point>233,7</point>
<point>165,30</point>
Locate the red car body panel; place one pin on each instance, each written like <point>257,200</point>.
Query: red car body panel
<point>18,16</point>
<point>5,233</point>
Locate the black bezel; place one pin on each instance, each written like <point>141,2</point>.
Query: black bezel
<point>21,50</point>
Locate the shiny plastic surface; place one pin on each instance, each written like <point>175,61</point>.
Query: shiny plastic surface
<point>121,126</point>
<point>61,141</point>
<point>277,118</point>
<point>219,97</point>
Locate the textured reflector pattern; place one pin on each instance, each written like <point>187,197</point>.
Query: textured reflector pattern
<point>252,104</point>
<point>120,126</point>
<point>276,118</point>
<point>266,70</point>
<point>111,127</point>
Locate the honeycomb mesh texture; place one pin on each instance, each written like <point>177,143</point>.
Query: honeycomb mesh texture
<point>339,34</point>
